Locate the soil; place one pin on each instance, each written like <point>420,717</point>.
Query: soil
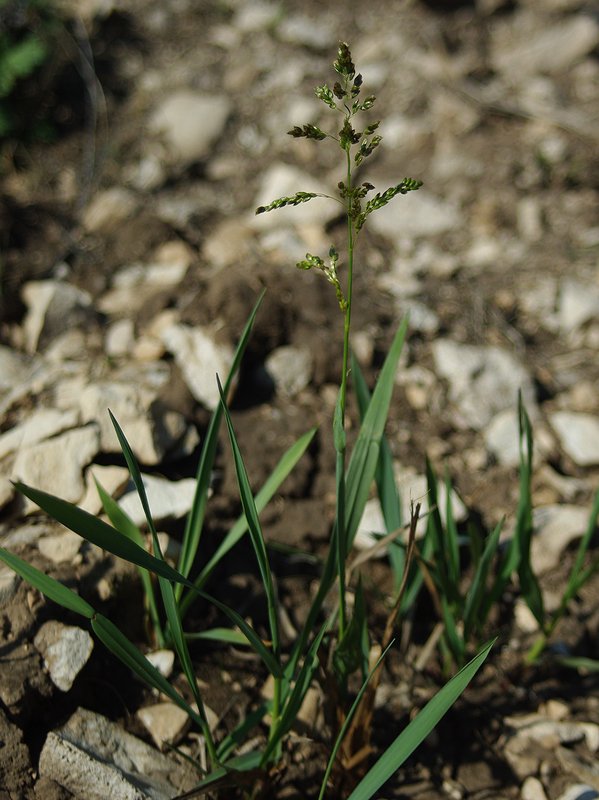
<point>43,188</point>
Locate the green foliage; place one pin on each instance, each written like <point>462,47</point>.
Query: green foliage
<point>27,35</point>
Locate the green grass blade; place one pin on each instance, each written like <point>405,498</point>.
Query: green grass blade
<point>239,735</point>
<point>97,532</point>
<point>575,580</point>
<point>121,647</point>
<point>529,585</point>
<point>254,527</point>
<point>105,630</point>
<point>384,478</point>
<point>365,455</point>
<point>438,538</point>
<point>48,586</point>
<point>360,474</point>
<point>135,473</point>
<point>297,694</point>
<point>234,774</point>
<point>473,621</point>
<point>175,627</point>
<point>225,635</point>
<point>416,578</point>
<point>272,664</point>
<point>195,518</point>
<point>125,525</point>
<point>579,663</point>
<point>352,650</point>
<point>455,641</point>
<point>273,482</point>
<point>348,719</point>
<point>453,549</point>
<point>412,736</point>
<point>121,520</point>
<point>180,644</point>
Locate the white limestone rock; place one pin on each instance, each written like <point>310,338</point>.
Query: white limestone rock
<point>109,209</point>
<point>40,425</point>
<point>482,381</point>
<point>163,660</point>
<point>52,308</point>
<point>578,303</point>
<point>9,583</point>
<point>420,214</point>
<point>200,359</point>
<point>94,758</point>
<point>532,789</point>
<point>555,527</point>
<point>56,465</point>
<point>283,180</point>
<point>502,437</point>
<point>165,722</point>
<point>167,499</point>
<point>15,368</point>
<point>120,338</point>
<point>150,430</point>
<point>524,46</point>
<point>113,480</point>
<point>291,369</point>
<point>578,435</point>
<point>188,124</point>
<point>66,650</point>
<point>412,488</point>
<point>135,284</point>
<point>61,547</point>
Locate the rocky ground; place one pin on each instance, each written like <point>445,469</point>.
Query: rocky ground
<point>131,259</point>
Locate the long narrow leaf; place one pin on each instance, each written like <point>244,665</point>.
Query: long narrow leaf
<point>455,641</point>
<point>254,527</point>
<point>529,584</point>
<point>384,477</point>
<point>365,454</point>
<point>234,773</point>
<point>182,649</point>
<point>348,719</point>
<point>166,589</point>
<point>272,663</point>
<point>360,474</point>
<point>125,525</point>
<point>97,532</point>
<point>122,648</point>
<point>472,619</point>
<point>261,500</point>
<point>195,518</point>
<point>226,635</point>
<point>295,698</point>
<point>135,473</point>
<point>452,549</point>
<point>49,586</point>
<point>574,581</point>
<point>420,727</point>
<point>437,532</point>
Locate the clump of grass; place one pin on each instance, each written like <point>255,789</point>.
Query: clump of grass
<point>337,647</point>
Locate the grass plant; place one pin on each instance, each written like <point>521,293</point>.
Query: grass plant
<point>339,648</point>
